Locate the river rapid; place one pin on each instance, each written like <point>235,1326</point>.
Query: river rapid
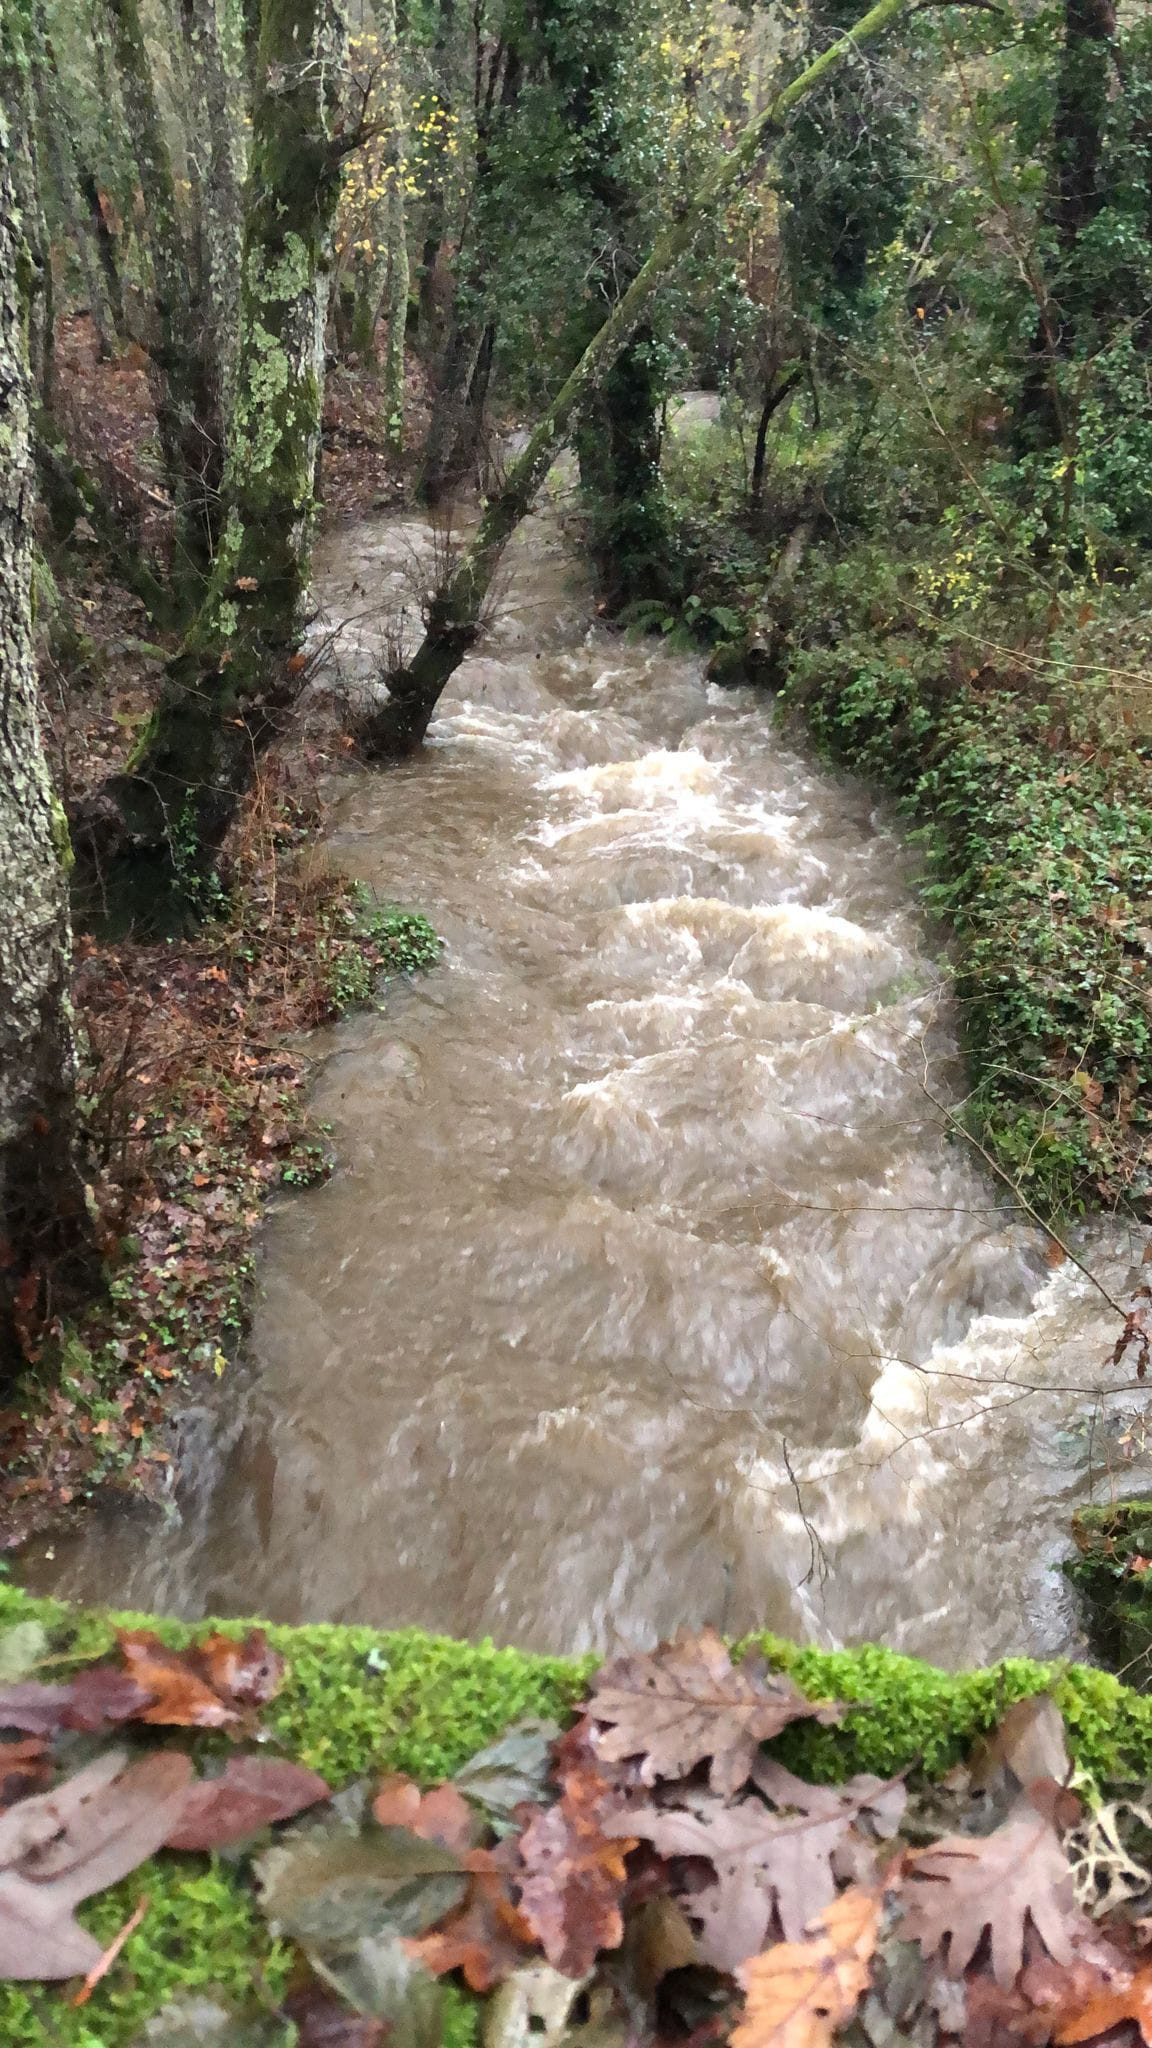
<point>652,1286</point>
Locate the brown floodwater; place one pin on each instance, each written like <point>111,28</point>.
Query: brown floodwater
<point>652,1286</point>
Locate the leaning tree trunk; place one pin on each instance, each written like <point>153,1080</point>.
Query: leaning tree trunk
<point>455,612</point>
<point>46,1239</point>
<point>150,837</point>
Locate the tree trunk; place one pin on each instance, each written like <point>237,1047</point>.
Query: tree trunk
<point>47,1255</point>
<point>455,612</point>
<point>397,231</point>
<point>774,397</point>
<point>430,320</point>
<point>216,143</point>
<point>185,378</point>
<point>150,837</point>
<point>1074,198</point>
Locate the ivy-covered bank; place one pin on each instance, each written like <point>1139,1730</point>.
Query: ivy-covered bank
<point>358,1701</point>
<point>1031,794</point>
<point>1036,817</point>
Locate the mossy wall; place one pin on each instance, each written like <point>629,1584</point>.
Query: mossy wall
<point>360,1701</point>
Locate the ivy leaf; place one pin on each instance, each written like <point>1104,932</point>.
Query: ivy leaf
<point>799,1992</point>
<point>965,1885</point>
<point>332,1888</point>
<point>511,1772</point>
<point>687,1701</point>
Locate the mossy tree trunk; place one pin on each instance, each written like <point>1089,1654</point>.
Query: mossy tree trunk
<point>186,380</point>
<point>397,231</point>
<point>216,144</point>
<point>47,1253</point>
<point>461,377</point>
<point>455,612</point>
<point>150,837</point>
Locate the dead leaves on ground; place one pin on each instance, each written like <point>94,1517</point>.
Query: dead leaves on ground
<point>647,1878</point>
<point>688,1702</point>
<point>799,1992</point>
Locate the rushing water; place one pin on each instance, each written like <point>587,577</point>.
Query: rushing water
<point>652,1286</point>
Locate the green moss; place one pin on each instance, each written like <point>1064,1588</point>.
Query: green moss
<point>1111,1575</point>
<point>358,1701</point>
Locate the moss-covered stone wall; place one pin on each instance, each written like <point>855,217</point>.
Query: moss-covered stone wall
<point>360,1701</point>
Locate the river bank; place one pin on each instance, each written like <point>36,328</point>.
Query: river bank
<point>650,1217</point>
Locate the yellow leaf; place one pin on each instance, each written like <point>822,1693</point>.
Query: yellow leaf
<point>799,1992</point>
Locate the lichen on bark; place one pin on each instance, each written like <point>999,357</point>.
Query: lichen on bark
<point>46,1239</point>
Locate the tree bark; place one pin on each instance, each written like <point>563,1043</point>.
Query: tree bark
<point>149,838</point>
<point>455,612</point>
<point>398,273</point>
<point>1074,198</point>
<point>47,1255</point>
<point>185,378</point>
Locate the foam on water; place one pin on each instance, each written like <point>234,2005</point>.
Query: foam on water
<point>654,1284</point>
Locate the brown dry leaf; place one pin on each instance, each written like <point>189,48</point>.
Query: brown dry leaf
<point>966,1884</point>
<point>1029,1744</point>
<point>1110,2009</point>
<point>62,1846</point>
<point>763,1861</point>
<point>96,1696</point>
<point>799,1992</point>
<point>442,1815</point>
<point>250,1793</point>
<point>574,1874</point>
<point>687,1701</point>
<point>24,1767</point>
<point>215,1683</point>
<point>488,1937</point>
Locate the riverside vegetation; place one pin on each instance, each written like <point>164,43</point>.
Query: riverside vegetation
<point>263,262</point>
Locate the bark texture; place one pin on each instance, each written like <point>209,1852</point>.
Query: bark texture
<point>46,1253</point>
<point>150,837</point>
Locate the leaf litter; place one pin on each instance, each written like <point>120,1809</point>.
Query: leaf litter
<point>649,1877</point>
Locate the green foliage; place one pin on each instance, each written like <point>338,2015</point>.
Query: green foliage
<point>373,943</point>
<point>1114,1544</point>
<point>1036,819</point>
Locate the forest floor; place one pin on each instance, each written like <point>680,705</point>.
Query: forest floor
<point>192,1079</point>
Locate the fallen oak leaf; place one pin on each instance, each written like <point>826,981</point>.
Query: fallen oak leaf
<point>25,1767</point>
<point>798,1992</point>
<point>965,1885</point>
<point>765,1862</point>
<point>250,1793</point>
<point>1111,2008</point>
<point>574,1877</point>
<point>687,1701</point>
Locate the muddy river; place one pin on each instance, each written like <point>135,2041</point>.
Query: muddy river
<point>653,1285</point>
